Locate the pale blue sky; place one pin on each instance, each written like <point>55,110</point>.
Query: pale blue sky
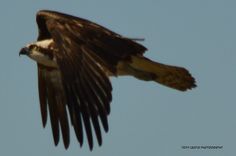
<point>146,118</point>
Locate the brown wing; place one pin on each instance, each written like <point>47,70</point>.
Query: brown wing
<point>86,51</point>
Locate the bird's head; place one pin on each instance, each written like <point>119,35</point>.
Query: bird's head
<point>28,50</point>
<point>40,52</point>
<point>36,47</point>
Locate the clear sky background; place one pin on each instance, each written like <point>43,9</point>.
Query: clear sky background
<point>146,118</point>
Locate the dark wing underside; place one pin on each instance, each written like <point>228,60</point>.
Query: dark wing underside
<point>85,51</point>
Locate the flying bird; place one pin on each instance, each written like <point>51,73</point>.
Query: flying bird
<point>75,58</point>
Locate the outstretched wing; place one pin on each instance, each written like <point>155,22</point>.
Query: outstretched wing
<point>86,51</point>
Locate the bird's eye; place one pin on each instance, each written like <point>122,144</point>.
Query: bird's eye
<point>32,46</point>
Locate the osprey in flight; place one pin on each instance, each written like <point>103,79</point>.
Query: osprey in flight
<point>75,59</point>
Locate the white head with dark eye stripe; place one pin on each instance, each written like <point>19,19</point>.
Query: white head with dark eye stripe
<point>42,52</point>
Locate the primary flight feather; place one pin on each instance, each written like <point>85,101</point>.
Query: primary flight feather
<point>75,59</point>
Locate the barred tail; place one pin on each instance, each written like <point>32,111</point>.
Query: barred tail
<point>175,77</point>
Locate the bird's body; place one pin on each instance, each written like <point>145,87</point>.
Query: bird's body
<point>75,58</point>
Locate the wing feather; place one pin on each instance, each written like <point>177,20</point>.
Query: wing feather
<point>53,112</point>
<point>63,120</point>
<point>42,95</point>
<point>75,115</point>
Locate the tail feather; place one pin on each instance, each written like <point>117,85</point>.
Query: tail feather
<point>175,77</point>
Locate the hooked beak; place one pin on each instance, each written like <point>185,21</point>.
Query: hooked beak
<point>24,51</point>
